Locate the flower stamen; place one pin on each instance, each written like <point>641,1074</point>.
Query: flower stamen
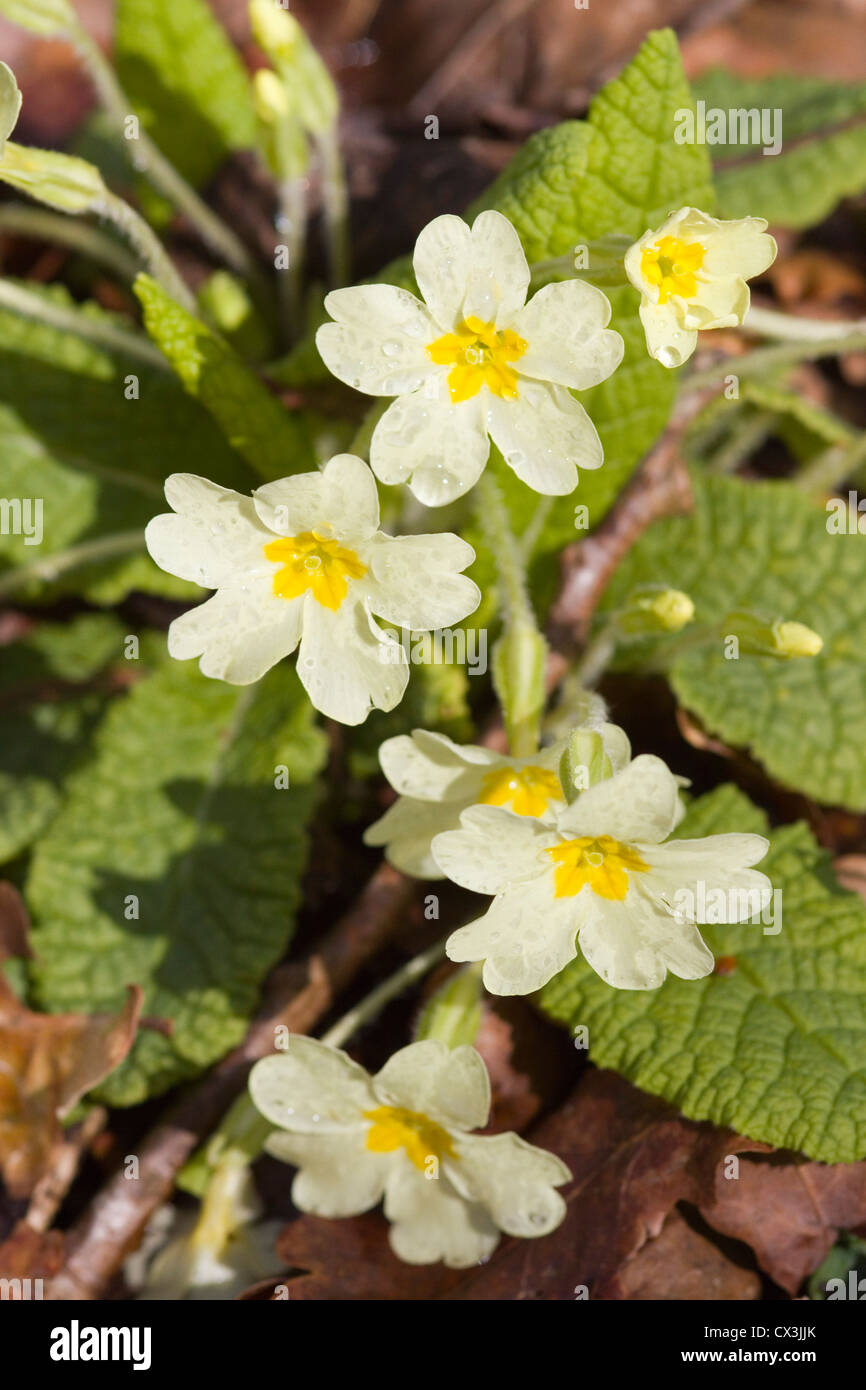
<point>393,1127</point>
<point>600,861</point>
<point>671,265</point>
<point>479,355</point>
<point>311,562</point>
<point>528,791</point>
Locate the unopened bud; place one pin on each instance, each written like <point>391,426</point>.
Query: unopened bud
<point>653,609</point>
<point>584,763</point>
<point>782,639</point>
<point>453,1014</point>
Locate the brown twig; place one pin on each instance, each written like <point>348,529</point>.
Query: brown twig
<point>50,1191</point>
<point>297,997</point>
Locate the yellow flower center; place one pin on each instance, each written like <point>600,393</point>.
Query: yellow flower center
<point>602,862</point>
<point>479,355</point>
<point>528,790</point>
<point>310,561</point>
<point>395,1128</point>
<point>671,265</point>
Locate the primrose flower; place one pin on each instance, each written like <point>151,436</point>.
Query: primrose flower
<point>303,561</point>
<point>474,360</point>
<point>602,879</point>
<point>692,273</point>
<point>405,1134</point>
<point>438,779</point>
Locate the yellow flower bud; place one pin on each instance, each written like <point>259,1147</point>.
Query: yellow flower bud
<point>795,639</point>
<point>652,609</point>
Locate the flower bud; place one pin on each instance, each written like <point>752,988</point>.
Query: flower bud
<point>782,639</point>
<point>453,1014</point>
<point>653,609</point>
<point>583,763</point>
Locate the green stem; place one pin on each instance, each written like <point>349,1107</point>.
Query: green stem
<point>150,161</point>
<point>746,436</point>
<point>770,323</point>
<point>375,1001</point>
<point>784,355</point>
<point>39,224</point>
<point>520,653</point>
<point>335,201</point>
<point>833,465</point>
<point>148,246</point>
<point>596,656</point>
<point>291,225</point>
<point>122,543</point>
<point>103,332</point>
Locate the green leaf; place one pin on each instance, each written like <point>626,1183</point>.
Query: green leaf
<point>180,808</point>
<point>766,547</point>
<point>97,460</point>
<point>46,718</point>
<point>186,81</point>
<point>619,172</point>
<point>274,442</point>
<point>823,156</point>
<point>775,1045</point>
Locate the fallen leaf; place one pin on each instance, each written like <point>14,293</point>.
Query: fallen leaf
<point>47,1062</point>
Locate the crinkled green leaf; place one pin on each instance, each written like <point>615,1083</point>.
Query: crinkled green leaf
<point>47,714</point>
<point>97,460</point>
<point>274,442</point>
<point>774,1045</point>
<point>186,80</point>
<point>178,807</point>
<point>823,155</point>
<point>766,547</point>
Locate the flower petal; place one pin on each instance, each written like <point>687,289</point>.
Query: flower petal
<point>638,804</point>
<point>239,636</point>
<point>515,1181</point>
<point>346,664</point>
<point>311,1088</point>
<point>450,1085</point>
<point>498,277</point>
<point>632,944</point>
<point>545,435</point>
<point>407,830</point>
<point>441,263</point>
<point>338,1175</point>
<point>378,343</point>
<point>666,338</point>
<point>432,767</point>
<point>212,537</point>
<point>439,448</point>
<point>417,582</point>
<point>525,938</point>
<point>492,849</point>
<point>341,500</point>
<point>720,864</point>
<point>569,343</point>
<point>432,1222</point>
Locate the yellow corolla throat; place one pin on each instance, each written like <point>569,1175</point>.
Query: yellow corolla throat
<point>312,562</point>
<point>602,862</point>
<point>393,1128</point>
<point>527,791</point>
<point>479,355</point>
<point>671,265</point>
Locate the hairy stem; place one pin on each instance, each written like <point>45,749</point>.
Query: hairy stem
<point>103,332</point>
<point>150,161</point>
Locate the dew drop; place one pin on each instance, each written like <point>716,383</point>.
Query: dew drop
<point>391,348</point>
